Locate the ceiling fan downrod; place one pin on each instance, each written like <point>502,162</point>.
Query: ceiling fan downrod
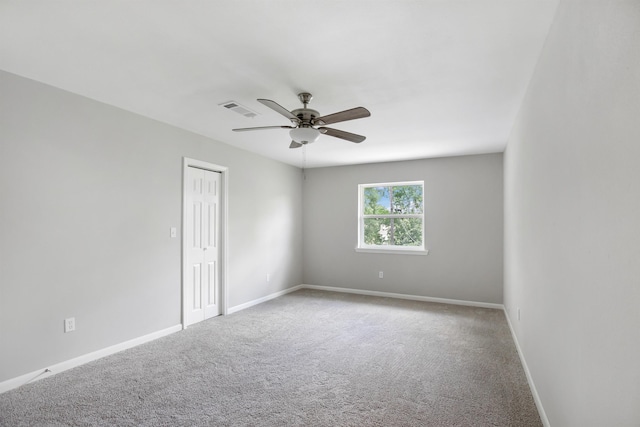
<point>305,98</point>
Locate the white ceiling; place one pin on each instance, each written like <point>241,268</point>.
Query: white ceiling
<point>440,77</point>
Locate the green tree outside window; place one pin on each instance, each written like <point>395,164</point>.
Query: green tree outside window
<point>392,214</point>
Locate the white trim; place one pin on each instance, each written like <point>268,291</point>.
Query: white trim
<point>86,358</point>
<point>393,251</point>
<point>532,386</point>
<point>406,296</point>
<point>257,301</point>
<point>361,247</point>
<point>224,232</point>
<point>393,183</point>
<point>392,216</point>
<point>264,299</point>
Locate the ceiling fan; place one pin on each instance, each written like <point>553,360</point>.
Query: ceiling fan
<point>308,124</point>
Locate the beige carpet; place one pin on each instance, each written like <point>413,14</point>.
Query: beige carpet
<point>309,358</point>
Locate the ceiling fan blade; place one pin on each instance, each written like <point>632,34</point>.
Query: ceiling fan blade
<point>278,108</point>
<point>342,116</point>
<point>342,134</point>
<point>295,144</point>
<point>263,127</point>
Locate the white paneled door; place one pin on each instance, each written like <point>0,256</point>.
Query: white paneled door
<point>202,231</point>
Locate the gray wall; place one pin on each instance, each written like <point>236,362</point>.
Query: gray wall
<point>88,193</point>
<point>463,220</point>
<point>572,217</point>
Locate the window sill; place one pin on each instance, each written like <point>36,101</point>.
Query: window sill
<point>393,251</point>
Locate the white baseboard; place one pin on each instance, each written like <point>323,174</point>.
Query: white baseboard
<point>532,386</point>
<point>263,299</point>
<point>81,360</point>
<point>237,308</point>
<point>405,296</point>
<point>72,363</point>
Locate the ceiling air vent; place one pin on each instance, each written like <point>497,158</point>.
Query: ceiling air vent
<point>240,109</point>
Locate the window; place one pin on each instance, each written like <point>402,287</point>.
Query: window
<point>391,217</point>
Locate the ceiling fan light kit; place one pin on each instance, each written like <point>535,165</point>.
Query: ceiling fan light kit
<point>304,122</point>
<point>304,135</point>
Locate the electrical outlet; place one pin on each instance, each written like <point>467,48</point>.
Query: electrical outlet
<point>173,232</point>
<point>518,313</point>
<point>380,274</point>
<point>268,278</point>
<point>69,324</point>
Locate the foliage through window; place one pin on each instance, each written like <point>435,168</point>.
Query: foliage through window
<point>391,216</point>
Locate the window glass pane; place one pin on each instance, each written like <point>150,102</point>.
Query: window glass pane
<point>396,202</point>
<point>407,231</point>
<point>377,231</point>
<point>407,199</point>
<point>376,201</point>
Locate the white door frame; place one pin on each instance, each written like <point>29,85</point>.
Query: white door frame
<point>224,240</point>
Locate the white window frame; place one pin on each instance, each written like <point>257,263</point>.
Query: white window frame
<point>388,249</point>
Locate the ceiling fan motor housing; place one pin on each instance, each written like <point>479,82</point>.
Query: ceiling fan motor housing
<point>305,115</point>
<point>305,133</point>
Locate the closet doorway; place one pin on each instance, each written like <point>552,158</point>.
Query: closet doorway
<point>203,241</point>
